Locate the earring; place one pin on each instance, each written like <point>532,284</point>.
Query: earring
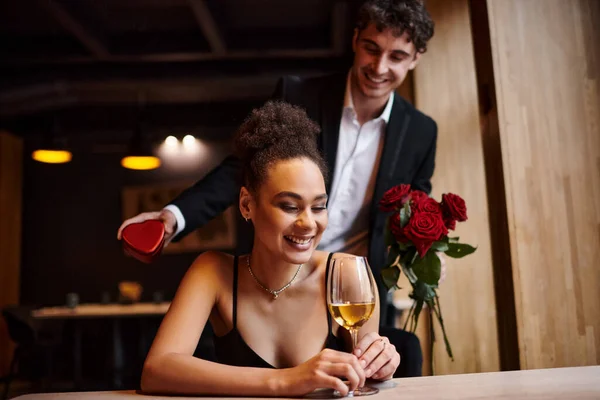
<point>247,219</point>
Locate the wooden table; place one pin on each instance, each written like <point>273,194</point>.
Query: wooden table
<point>114,312</point>
<point>560,384</point>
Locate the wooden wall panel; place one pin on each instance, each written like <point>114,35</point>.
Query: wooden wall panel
<point>446,89</point>
<point>547,73</point>
<point>508,343</point>
<point>11,161</point>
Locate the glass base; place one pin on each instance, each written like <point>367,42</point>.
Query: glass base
<point>361,391</point>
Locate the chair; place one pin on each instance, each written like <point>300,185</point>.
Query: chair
<point>27,335</point>
<point>21,331</point>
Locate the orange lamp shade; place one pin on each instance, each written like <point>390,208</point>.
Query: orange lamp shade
<point>140,162</point>
<point>52,156</point>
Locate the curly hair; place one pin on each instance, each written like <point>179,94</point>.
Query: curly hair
<point>276,131</point>
<point>401,16</point>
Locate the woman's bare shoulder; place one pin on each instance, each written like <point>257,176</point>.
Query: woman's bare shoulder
<point>343,255</point>
<point>215,263</point>
<point>320,257</point>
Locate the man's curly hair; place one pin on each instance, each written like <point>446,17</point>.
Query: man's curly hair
<point>276,131</point>
<point>401,16</point>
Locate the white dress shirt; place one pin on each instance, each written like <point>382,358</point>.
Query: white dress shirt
<point>356,167</point>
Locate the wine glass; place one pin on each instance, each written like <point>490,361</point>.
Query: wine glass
<point>351,299</point>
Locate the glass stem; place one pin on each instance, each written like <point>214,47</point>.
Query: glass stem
<point>354,336</point>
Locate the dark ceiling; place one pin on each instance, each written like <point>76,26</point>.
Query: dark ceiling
<point>95,63</point>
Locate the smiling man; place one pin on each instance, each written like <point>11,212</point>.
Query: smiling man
<point>371,137</point>
<point>382,60</point>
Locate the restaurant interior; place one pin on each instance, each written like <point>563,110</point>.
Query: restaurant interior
<point>513,85</point>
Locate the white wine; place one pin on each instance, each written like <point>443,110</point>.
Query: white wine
<point>351,315</point>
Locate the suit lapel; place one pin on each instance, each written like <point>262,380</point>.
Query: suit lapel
<point>332,100</point>
<point>394,137</point>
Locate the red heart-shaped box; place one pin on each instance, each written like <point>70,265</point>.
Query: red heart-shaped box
<point>144,240</point>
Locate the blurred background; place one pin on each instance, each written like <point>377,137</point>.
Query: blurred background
<point>512,84</point>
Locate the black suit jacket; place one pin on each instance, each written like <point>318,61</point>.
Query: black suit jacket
<point>408,157</point>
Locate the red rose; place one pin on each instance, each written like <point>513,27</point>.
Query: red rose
<point>394,198</point>
<point>423,229</point>
<point>416,196</point>
<point>454,207</point>
<point>450,223</point>
<point>396,228</point>
<point>427,204</point>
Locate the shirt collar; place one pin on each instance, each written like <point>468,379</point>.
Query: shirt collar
<point>349,104</point>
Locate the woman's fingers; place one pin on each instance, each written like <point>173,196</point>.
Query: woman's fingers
<point>327,381</point>
<point>344,370</point>
<point>341,364</point>
<point>378,356</point>
<point>364,343</point>
<point>386,352</point>
<point>352,361</point>
<point>373,352</point>
<point>388,369</point>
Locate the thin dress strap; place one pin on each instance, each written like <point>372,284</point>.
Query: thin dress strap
<point>235,281</point>
<point>326,294</point>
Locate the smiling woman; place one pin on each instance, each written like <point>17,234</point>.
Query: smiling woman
<point>272,328</point>
<point>284,181</point>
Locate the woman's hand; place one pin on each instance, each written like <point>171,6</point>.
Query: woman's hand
<point>379,356</point>
<point>324,371</point>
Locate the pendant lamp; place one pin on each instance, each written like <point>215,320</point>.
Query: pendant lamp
<point>51,151</point>
<point>140,155</point>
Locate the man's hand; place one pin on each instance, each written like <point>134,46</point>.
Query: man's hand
<point>166,216</point>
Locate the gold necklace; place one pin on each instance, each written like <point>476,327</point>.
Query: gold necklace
<point>274,293</point>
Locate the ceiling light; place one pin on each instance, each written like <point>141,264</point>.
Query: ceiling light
<point>52,156</point>
<point>140,162</point>
<point>52,151</point>
<point>171,141</point>
<point>189,140</point>
<point>140,155</point>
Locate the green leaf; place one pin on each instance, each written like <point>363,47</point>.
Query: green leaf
<point>390,277</point>
<point>404,246</point>
<point>459,250</point>
<point>409,256</point>
<point>404,214</point>
<point>453,240</point>
<point>440,246</point>
<point>418,308</point>
<point>392,255</point>
<point>422,292</point>
<point>430,292</point>
<point>428,268</point>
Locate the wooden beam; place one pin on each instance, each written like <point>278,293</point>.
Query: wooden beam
<point>31,99</point>
<point>36,98</point>
<point>186,91</point>
<point>82,32</point>
<point>208,26</point>
<point>178,57</point>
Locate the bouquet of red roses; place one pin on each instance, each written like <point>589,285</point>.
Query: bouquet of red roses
<point>415,232</point>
